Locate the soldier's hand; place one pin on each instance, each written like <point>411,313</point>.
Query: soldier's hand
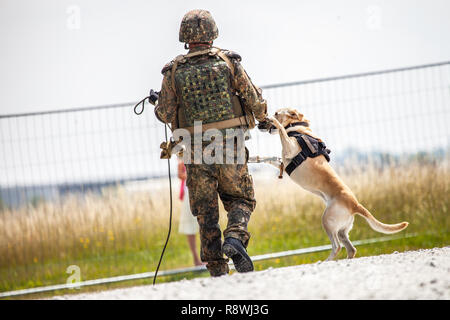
<point>265,125</point>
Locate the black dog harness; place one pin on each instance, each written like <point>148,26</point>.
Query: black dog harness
<point>311,147</point>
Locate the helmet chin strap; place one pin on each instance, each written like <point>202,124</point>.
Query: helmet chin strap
<point>192,45</point>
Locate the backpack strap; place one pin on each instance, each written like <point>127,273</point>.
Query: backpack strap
<point>223,56</point>
<point>176,61</point>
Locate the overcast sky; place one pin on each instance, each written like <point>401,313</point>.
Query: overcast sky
<point>59,54</point>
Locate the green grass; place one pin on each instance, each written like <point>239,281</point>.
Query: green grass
<point>118,233</point>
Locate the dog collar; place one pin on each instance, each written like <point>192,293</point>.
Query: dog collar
<point>294,124</point>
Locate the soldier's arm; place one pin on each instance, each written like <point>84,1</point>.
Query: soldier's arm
<point>247,91</point>
<point>166,111</point>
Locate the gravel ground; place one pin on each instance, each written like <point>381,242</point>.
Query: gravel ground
<point>422,274</point>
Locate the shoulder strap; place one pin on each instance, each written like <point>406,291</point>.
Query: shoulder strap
<point>224,57</point>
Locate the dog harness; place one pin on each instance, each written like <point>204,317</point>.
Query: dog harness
<point>311,147</point>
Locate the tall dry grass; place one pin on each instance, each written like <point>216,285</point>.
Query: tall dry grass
<point>418,193</point>
<point>120,232</point>
<point>52,231</point>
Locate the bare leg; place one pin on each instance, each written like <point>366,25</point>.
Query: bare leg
<point>193,246</point>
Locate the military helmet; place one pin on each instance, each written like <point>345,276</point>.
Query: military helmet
<point>198,26</point>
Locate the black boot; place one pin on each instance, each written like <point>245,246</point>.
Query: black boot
<point>218,268</point>
<point>234,249</point>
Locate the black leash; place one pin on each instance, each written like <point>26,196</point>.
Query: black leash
<point>152,98</point>
<point>170,218</point>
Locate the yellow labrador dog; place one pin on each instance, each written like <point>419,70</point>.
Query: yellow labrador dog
<point>317,176</point>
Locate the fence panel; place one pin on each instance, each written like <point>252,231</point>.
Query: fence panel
<point>60,203</point>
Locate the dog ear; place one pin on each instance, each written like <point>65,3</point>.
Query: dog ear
<point>295,114</point>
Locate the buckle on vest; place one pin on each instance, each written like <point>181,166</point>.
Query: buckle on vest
<point>298,159</point>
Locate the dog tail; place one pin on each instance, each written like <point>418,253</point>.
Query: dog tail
<point>377,225</point>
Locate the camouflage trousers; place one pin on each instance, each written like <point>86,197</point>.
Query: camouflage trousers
<point>234,185</point>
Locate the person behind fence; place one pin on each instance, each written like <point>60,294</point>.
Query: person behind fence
<point>188,224</point>
<point>209,84</point>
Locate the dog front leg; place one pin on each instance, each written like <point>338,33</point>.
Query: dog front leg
<point>289,145</point>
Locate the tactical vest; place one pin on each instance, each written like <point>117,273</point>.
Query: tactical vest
<point>205,92</point>
<point>311,147</point>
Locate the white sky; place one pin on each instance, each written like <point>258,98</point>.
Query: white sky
<point>118,50</point>
<point>113,51</point>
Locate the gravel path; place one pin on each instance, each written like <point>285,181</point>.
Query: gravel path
<point>422,274</point>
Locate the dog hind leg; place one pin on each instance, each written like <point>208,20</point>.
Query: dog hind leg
<point>343,237</point>
<point>335,245</point>
<point>327,223</point>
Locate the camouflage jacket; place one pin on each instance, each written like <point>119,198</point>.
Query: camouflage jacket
<point>167,108</point>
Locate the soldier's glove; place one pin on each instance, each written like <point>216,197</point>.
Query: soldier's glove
<point>153,97</point>
<point>265,125</point>
<point>167,147</point>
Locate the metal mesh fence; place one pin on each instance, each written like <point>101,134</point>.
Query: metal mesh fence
<point>47,156</point>
<point>400,111</point>
<point>50,154</point>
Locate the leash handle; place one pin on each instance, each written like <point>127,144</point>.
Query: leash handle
<point>138,104</point>
<point>152,98</point>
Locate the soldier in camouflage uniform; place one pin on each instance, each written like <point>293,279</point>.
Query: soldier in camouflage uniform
<point>210,85</point>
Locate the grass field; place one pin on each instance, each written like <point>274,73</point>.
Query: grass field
<point>121,233</point>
